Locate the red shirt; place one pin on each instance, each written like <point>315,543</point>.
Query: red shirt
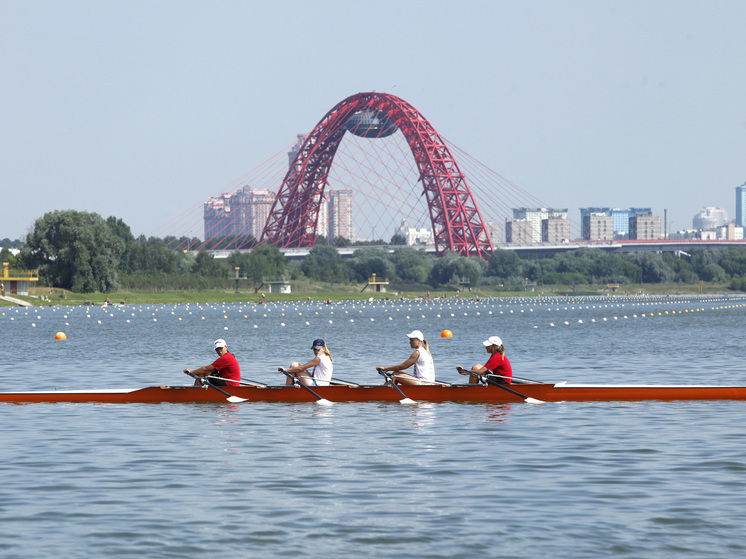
<point>500,365</point>
<point>228,368</point>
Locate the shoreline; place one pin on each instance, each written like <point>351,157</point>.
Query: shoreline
<point>46,296</point>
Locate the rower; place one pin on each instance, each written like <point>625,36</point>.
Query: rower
<point>225,366</point>
<point>321,367</point>
<point>424,368</point>
<point>497,364</point>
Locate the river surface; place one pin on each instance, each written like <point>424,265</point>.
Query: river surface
<point>644,479</point>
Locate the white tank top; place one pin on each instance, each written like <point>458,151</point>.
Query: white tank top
<point>424,368</point>
<point>322,373</point>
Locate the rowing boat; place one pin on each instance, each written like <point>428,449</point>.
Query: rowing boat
<point>465,393</point>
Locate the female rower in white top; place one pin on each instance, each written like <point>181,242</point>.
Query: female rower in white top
<point>322,365</point>
<point>424,368</point>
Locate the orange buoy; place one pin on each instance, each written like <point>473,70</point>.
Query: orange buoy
<point>60,336</point>
<point>446,334</point>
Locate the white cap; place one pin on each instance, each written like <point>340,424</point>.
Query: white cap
<point>416,334</point>
<point>220,343</point>
<point>493,340</point>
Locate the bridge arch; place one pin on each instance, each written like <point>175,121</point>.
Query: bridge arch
<point>454,215</point>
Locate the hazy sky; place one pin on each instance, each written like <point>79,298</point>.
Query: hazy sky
<point>142,109</point>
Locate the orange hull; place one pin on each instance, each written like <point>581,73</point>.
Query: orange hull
<point>380,393</point>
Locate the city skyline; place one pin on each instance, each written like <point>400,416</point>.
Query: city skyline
<point>579,103</point>
<point>245,211</point>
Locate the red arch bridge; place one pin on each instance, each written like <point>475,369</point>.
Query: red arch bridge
<point>456,220</point>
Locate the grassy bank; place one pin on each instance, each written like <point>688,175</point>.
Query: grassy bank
<point>320,292</point>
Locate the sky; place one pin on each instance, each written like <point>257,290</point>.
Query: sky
<point>142,109</point>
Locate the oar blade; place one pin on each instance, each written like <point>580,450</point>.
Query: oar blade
<point>324,402</point>
<point>407,401</point>
<point>236,400</point>
<point>530,400</point>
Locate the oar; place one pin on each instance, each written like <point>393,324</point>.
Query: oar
<point>245,383</point>
<point>231,399</point>
<point>527,399</point>
<point>319,399</point>
<point>390,381</point>
<point>344,382</point>
<point>522,380</point>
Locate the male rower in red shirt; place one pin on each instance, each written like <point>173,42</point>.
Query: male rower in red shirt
<point>225,366</point>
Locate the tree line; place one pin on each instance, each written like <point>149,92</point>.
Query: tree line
<point>86,253</point>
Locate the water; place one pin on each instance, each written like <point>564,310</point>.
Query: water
<point>647,479</point>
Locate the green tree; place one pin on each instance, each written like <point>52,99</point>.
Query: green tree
<point>471,269</point>
<point>7,243</point>
<point>369,261</point>
<point>452,268</point>
<point>153,255</point>
<point>733,261</point>
<point>323,263</point>
<point>206,265</point>
<point>738,283</point>
<point>712,272</point>
<point>75,250</point>
<point>412,264</point>
<point>264,261</point>
<point>123,231</point>
<point>504,264</point>
<point>15,260</point>
<point>654,268</point>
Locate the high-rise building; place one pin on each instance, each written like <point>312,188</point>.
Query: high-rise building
<point>534,216</point>
<point>741,205</point>
<point>598,226</point>
<point>244,212</point>
<point>620,218</point>
<point>519,232</point>
<point>224,215</point>
<point>645,227</point>
<point>340,215</point>
<point>259,204</point>
<point>555,229</point>
<point>493,230</point>
<point>710,218</point>
<point>322,221</point>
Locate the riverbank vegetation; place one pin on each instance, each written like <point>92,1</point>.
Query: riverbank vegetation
<point>83,253</point>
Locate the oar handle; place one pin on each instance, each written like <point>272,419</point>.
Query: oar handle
<point>463,371</point>
<point>203,380</point>
<point>245,383</point>
<point>492,382</point>
<point>343,381</point>
<point>299,383</point>
<point>388,378</point>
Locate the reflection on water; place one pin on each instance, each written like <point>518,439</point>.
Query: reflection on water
<point>424,414</point>
<point>497,413</point>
